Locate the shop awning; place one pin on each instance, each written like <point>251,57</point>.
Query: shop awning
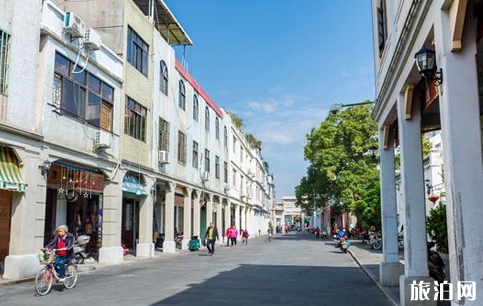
<point>10,178</point>
<point>131,185</point>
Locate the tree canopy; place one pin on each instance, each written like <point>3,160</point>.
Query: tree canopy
<point>342,169</point>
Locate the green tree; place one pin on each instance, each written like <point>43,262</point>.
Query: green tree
<point>341,168</point>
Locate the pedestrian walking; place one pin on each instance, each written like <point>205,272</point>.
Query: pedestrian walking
<point>211,236</point>
<point>233,234</point>
<point>245,237</point>
<point>227,235</point>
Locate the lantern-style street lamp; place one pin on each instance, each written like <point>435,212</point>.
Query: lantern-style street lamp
<point>426,63</point>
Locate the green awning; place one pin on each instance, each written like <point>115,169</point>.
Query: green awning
<point>131,185</point>
<point>10,178</point>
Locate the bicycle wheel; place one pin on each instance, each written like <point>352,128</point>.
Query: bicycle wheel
<point>70,276</point>
<point>43,281</point>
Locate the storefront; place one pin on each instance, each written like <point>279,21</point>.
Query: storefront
<point>74,198</point>
<point>10,182</point>
<point>132,190</point>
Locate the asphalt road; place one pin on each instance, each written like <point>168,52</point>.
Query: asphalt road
<point>293,269</point>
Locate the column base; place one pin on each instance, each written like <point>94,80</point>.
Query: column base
<point>185,244</point>
<point>169,247</point>
<point>389,273</point>
<point>145,250</point>
<point>405,291</point>
<point>21,266</point>
<point>111,255</point>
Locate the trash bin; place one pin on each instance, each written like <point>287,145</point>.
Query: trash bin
<point>194,243</point>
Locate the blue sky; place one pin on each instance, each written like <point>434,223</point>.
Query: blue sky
<point>279,65</point>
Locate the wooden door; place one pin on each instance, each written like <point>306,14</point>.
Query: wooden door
<point>5,219</point>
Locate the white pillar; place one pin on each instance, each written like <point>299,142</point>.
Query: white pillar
<point>169,246</point>
<point>415,251</point>
<point>461,137</point>
<point>390,268</point>
<point>186,218</point>
<point>145,246</point>
<point>219,219</point>
<point>196,215</point>
<point>209,209</point>
<point>237,216</point>
<point>227,218</point>
<point>243,218</point>
<point>111,251</point>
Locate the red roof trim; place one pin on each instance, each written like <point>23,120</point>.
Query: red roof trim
<point>198,88</point>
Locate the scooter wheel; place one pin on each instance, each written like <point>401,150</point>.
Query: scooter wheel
<point>345,251</point>
<point>79,260</point>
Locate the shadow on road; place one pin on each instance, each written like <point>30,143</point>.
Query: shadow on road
<point>277,285</point>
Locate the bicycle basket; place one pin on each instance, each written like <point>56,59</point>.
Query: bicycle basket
<point>46,258</point>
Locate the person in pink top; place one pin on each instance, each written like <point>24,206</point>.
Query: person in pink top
<point>233,234</point>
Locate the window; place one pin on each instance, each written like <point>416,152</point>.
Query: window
<point>4,56</point>
<point>234,144</point>
<point>135,120</point>
<point>137,51</point>
<point>195,154</point>
<point>225,172</point>
<point>196,114</point>
<point>382,26</point>
<point>207,118</point>
<point>163,140</point>
<point>226,136</point>
<point>163,86</point>
<point>234,177</point>
<point>217,167</point>
<point>182,147</point>
<point>217,128</point>
<point>207,160</point>
<point>82,95</point>
<point>182,95</point>
<point>241,182</point>
<point>241,155</point>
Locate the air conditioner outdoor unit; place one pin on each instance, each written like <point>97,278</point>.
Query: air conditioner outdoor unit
<point>163,157</point>
<point>74,25</point>
<point>103,140</point>
<point>206,176</point>
<point>92,39</point>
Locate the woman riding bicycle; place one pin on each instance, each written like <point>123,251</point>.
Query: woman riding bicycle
<point>63,242</point>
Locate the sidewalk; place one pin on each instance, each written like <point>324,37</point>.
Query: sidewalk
<point>369,260</point>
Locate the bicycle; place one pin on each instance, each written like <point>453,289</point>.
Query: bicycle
<point>269,236</point>
<point>43,279</point>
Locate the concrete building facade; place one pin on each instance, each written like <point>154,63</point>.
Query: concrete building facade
<point>407,105</point>
<point>117,140</point>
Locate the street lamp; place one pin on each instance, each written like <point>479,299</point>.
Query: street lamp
<point>426,63</point>
<point>335,108</point>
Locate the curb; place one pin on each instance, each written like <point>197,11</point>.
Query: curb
<point>371,277</point>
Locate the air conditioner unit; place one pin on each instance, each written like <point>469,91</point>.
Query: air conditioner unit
<point>103,140</point>
<point>92,40</point>
<point>226,187</point>
<point>163,157</point>
<point>206,176</point>
<point>74,25</point>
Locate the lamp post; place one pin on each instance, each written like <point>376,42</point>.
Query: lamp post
<point>335,108</point>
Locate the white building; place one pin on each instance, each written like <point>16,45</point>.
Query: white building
<point>414,98</point>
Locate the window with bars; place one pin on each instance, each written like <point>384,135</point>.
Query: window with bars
<point>225,172</point>
<point>225,136</point>
<point>182,95</point>
<point>196,108</point>
<point>82,95</point>
<point>4,57</point>
<point>135,119</point>
<point>207,118</point>
<point>163,86</point>
<point>137,51</point>
<point>195,154</point>
<point>182,147</point>
<point>207,160</point>
<point>163,140</point>
<point>217,167</point>
<point>217,128</point>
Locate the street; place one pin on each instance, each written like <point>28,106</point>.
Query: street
<point>293,269</point>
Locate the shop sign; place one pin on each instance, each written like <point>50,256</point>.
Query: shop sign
<point>80,180</point>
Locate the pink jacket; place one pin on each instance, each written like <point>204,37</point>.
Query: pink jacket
<point>232,233</point>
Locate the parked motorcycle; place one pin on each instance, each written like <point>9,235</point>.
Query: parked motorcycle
<point>178,239</point>
<point>80,248</point>
<point>435,264</point>
<point>159,241</point>
<point>375,241</point>
<point>400,241</point>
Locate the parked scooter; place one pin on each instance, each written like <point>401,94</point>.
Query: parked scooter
<point>400,241</point>
<point>178,239</point>
<point>159,241</point>
<point>80,248</point>
<point>435,264</point>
